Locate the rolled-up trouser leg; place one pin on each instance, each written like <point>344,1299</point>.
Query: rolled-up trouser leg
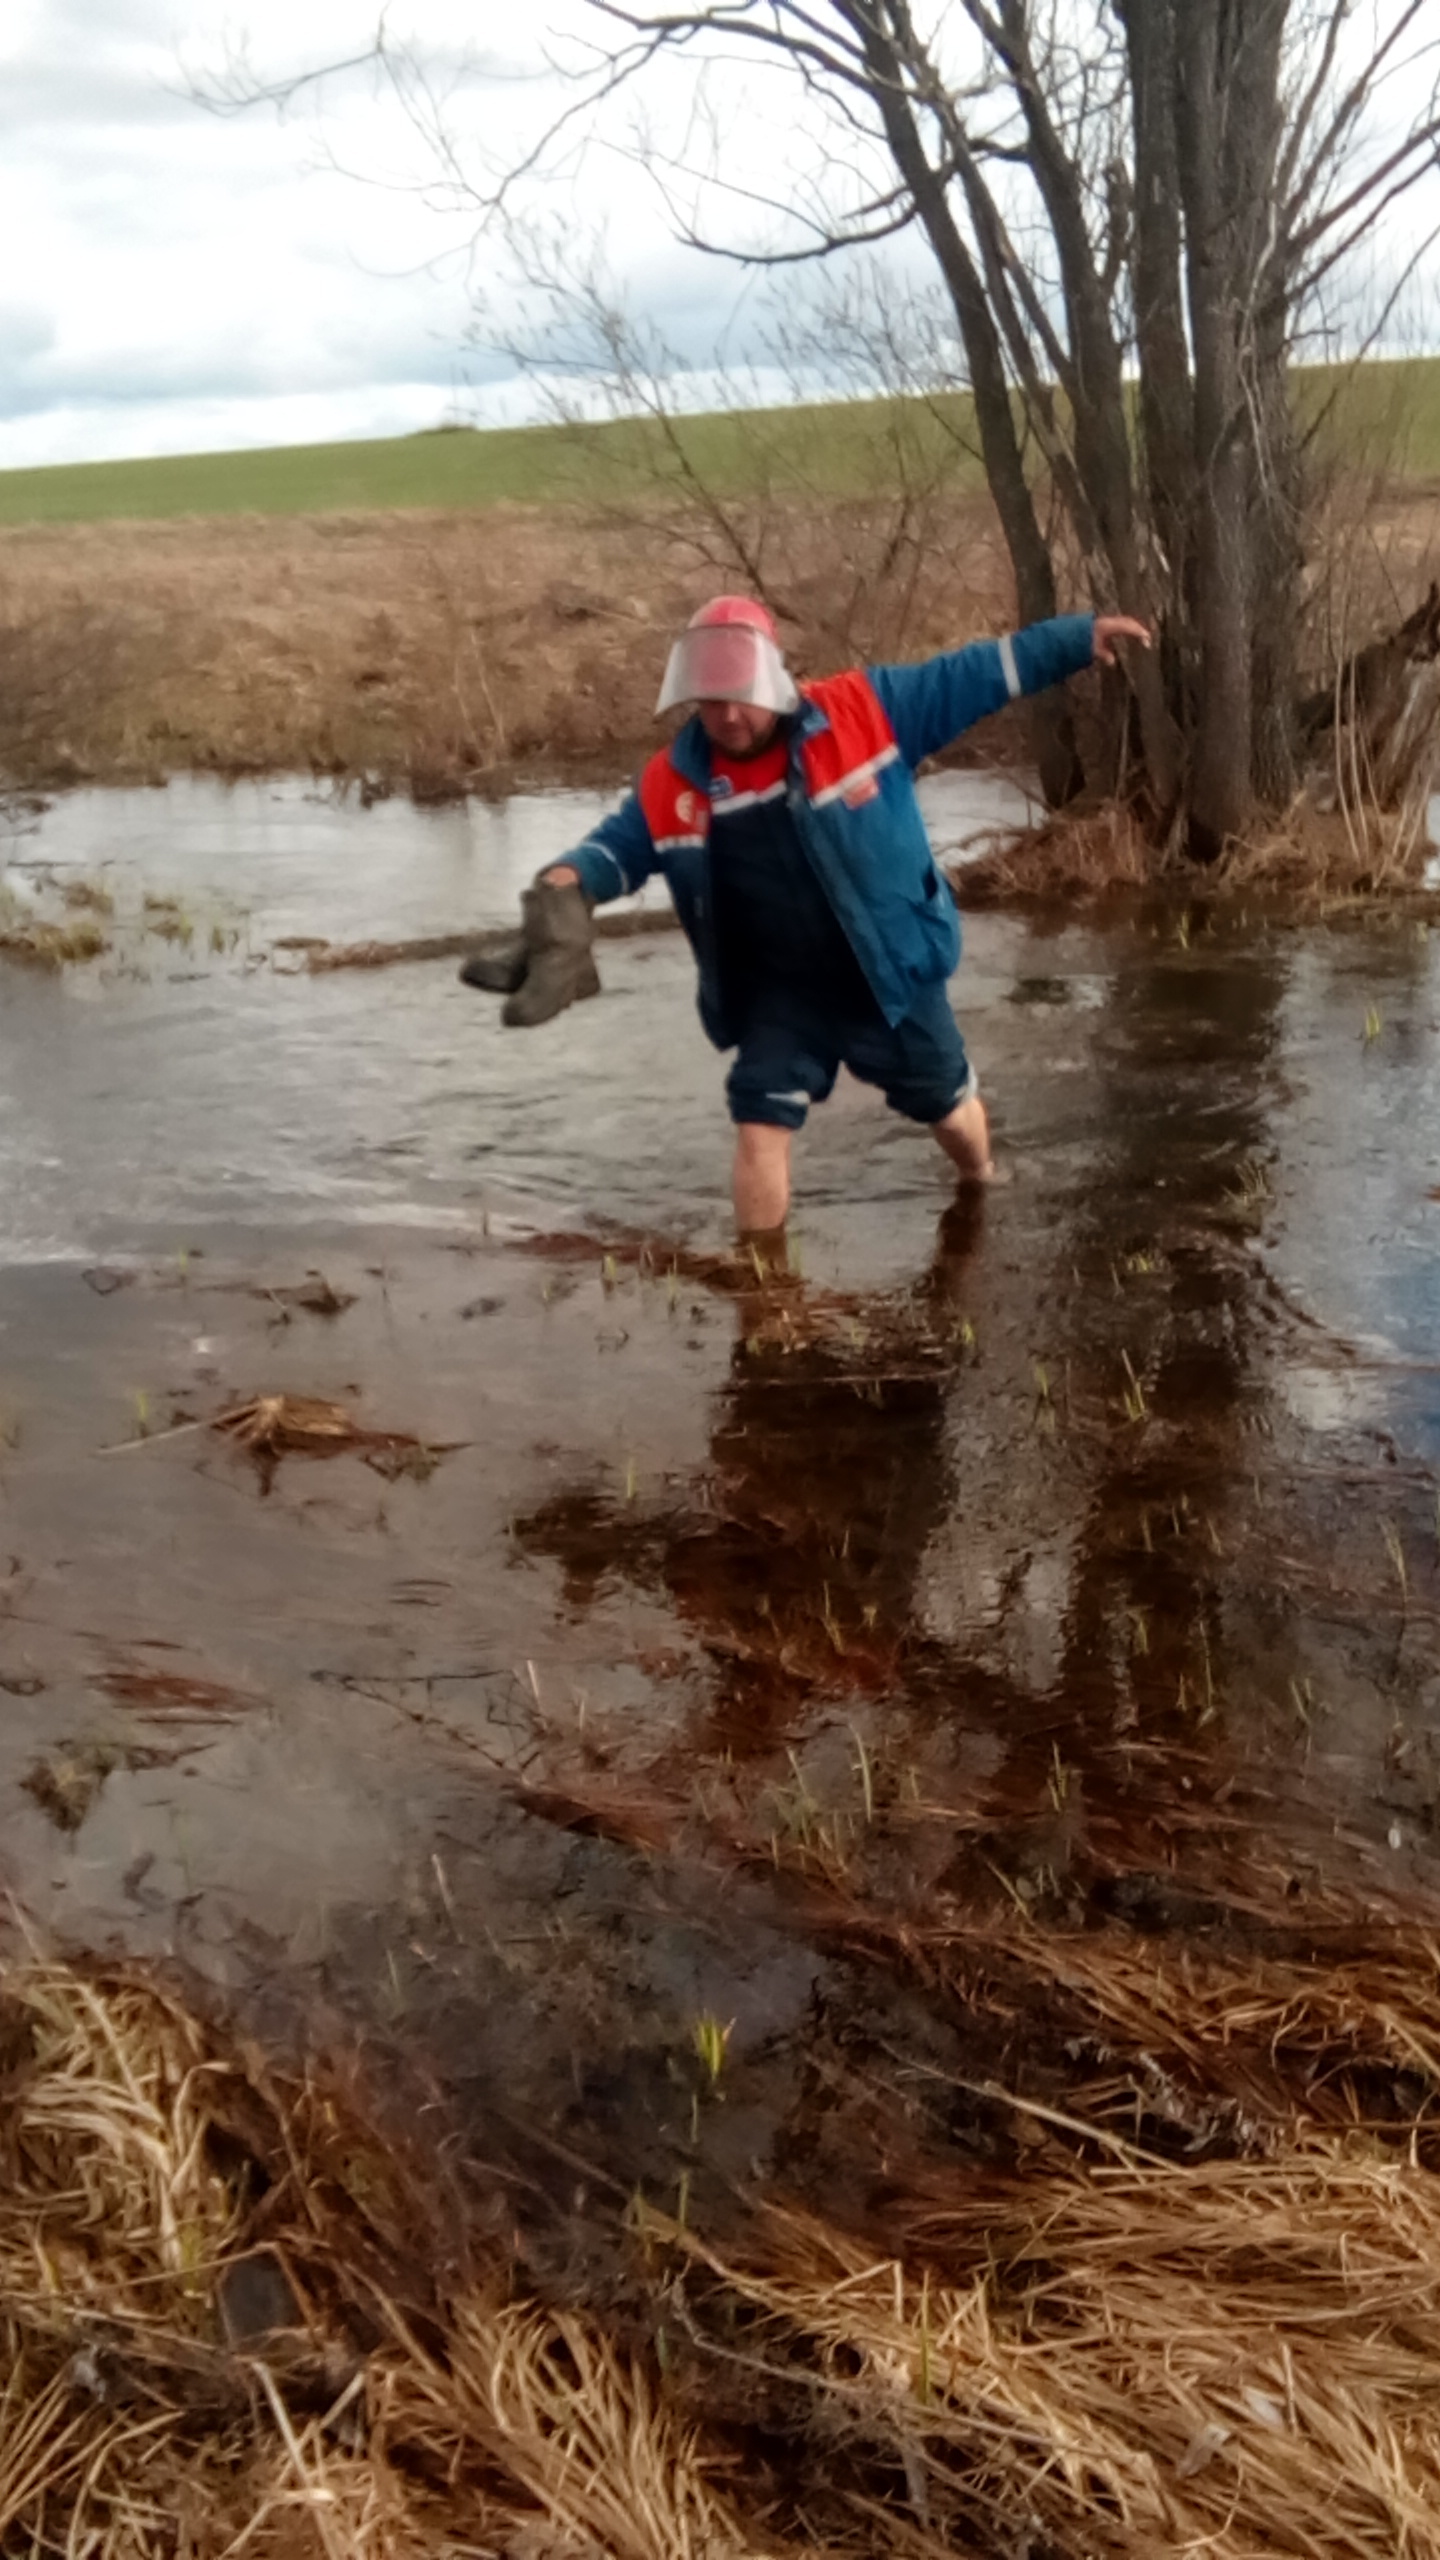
<point>789,1057</point>
<point>919,1063</point>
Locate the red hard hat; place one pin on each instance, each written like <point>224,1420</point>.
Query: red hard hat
<point>728,653</point>
<point>746,610</point>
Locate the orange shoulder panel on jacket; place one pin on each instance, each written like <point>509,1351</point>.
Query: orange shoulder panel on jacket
<point>858,740</point>
<point>673,810</point>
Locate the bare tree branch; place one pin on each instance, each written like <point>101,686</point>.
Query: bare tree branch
<point>1109,188</point>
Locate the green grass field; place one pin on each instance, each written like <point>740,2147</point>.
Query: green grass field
<point>1385,413</point>
<point>836,450</point>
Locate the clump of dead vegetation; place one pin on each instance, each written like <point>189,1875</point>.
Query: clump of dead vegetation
<point>1324,853</point>
<point>1329,848</point>
<point>1360,827</point>
<point>236,2312</point>
<point>1067,860</point>
<point>272,1427</point>
<point>239,2309</point>
<point>1137,2359</point>
<point>39,942</point>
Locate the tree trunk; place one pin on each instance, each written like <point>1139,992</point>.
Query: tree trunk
<point>1166,403</point>
<point>1057,757</point>
<point>1166,395</point>
<point>1405,756</point>
<point>1254,125</point>
<point>1220,785</point>
<point>1386,701</point>
<point>1101,423</point>
<point>1277,565</point>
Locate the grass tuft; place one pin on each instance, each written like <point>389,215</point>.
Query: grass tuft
<point>1189,2299</point>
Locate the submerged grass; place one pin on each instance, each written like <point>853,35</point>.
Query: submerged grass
<point>39,941</point>
<point>46,945</point>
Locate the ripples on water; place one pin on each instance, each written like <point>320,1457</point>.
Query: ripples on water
<point>169,1089</point>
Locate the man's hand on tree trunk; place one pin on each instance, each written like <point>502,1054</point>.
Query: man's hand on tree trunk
<point>1110,627</point>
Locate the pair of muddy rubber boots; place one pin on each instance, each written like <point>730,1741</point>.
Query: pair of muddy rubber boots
<point>545,966</point>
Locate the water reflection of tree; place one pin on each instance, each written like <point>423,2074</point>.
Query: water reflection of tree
<point>1183,1099</point>
<point>1062,1550</point>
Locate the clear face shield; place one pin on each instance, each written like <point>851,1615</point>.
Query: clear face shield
<point>727,662</point>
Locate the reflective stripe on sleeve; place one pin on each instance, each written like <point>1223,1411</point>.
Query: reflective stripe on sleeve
<point>1008,667</point>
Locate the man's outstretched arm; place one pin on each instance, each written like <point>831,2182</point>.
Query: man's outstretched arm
<point>931,703</point>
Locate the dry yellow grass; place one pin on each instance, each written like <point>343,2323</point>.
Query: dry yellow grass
<point>1067,860</point>
<point>1107,2347</point>
<point>1324,853</point>
<point>41,944</point>
<point>1236,2357</point>
<point>485,650</point>
<point>402,2405</point>
<point>426,652</point>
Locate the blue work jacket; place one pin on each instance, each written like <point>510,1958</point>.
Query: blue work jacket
<point>854,746</point>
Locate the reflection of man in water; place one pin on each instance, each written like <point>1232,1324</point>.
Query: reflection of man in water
<point>829,1473</point>
<point>785,821</point>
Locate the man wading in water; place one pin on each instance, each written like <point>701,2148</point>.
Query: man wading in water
<point>785,821</point>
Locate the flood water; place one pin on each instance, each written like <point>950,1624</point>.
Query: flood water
<point>1107,1512</point>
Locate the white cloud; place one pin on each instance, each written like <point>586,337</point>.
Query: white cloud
<point>190,281</point>
<point>194,281</point>
<point>119,430</point>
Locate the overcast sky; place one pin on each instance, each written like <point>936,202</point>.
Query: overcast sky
<point>176,282</point>
<point>179,282</point>
<point>182,282</point>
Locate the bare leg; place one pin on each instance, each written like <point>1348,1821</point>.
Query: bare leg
<point>965,1136</point>
<point>761,1179</point>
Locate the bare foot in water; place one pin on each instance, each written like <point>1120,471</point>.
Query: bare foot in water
<point>964,1134</point>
